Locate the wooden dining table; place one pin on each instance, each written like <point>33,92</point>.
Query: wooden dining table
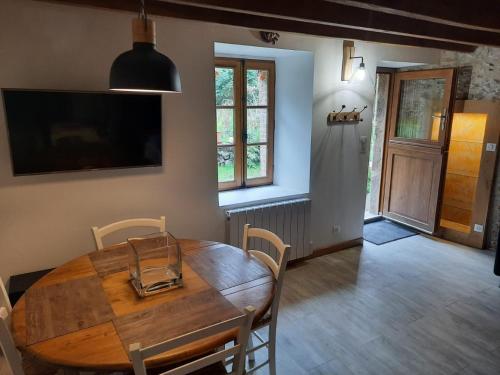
<point>84,314</point>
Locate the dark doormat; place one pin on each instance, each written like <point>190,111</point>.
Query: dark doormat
<point>383,231</point>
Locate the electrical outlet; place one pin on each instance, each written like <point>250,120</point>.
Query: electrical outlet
<point>336,228</point>
<point>491,147</point>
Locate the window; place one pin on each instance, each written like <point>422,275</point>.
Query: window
<point>244,92</point>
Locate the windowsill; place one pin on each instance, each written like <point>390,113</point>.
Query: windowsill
<point>257,195</point>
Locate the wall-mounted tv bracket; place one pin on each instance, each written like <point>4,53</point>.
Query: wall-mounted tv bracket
<point>340,117</point>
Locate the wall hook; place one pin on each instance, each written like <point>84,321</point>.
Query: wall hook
<point>341,108</point>
<point>340,117</point>
<point>348,113</point>
<point>332,116</point>
<point>357,116</point>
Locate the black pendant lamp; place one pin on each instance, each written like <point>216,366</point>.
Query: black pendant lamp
<point>144,69</point>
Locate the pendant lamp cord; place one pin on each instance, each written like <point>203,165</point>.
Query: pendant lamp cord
<point>143,15</point>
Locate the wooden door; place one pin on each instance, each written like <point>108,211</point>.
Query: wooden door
<point>470,171</point>
<point>416,150</point>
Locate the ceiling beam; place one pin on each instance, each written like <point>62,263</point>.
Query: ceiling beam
<point>333,14</point>
<point>480,15</point>
<point>162,8</point>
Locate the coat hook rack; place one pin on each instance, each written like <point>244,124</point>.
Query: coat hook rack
<point>346,116</point>
<point>340,117</point>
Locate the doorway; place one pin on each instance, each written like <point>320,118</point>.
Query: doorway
<point>432,157</point>
<point>417,145</point>
<point>383,82</point>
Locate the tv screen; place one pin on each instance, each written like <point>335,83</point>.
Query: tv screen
<point>55,131</point>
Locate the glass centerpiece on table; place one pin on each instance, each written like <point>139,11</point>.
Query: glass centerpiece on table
<point>155,263</point>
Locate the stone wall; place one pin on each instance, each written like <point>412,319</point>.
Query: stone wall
<point>484,84</point>
<point>485,78</point>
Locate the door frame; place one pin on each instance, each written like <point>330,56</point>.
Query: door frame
<point>391,72</point>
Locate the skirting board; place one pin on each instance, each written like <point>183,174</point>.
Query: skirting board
<point>330,249</point>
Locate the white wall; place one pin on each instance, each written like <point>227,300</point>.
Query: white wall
<point>294,104</point>
<point>45,220</point>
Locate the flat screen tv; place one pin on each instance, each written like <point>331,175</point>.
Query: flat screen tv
<point>57,131</point>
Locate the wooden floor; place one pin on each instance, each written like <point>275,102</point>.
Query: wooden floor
<point>413,306</point>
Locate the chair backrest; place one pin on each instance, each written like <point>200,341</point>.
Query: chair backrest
<point>99,233</point>
<point>4,297</point>
<point>243,323</point>
<point>279,267</point>
<point>10,352</point>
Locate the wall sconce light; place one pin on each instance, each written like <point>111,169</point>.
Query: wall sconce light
<point>348,56</point>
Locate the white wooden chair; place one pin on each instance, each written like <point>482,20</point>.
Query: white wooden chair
<point>99,233</point>
<point>243,322</point>
<point>14,360</point>
<point>4,297</point>
<point>17,364</point>
<point>271,318</point>
<point>6,343</point>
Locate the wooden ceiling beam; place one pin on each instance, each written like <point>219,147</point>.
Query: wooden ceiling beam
<point>479,15</point>
<point>334,14</point>
<point>162,8</point>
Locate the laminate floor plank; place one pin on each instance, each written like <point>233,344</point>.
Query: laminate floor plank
<point>485,366</point>
<point>416,306</point>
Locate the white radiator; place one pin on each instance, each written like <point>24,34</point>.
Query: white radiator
<point>290,220</point>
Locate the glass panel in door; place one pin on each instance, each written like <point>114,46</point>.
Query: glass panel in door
<point>422,109</point>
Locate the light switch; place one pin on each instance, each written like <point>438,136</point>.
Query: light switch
<point>478,228</point>
<point>491,147</point>
<point>363,141</point>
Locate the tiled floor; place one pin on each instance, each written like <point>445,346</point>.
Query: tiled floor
<point>413,306</point>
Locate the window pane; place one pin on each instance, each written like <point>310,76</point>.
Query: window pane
<point>257,125</point>
<point>225,126</point>
<point>225,162</point>
<point>256,161</point>
<point>257,81</point>
<point>420,105</point>
<point>224,86</point>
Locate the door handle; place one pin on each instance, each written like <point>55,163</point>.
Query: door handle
<point>442,118</point>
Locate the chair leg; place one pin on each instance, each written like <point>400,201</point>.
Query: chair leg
<point>272,348</point>
<point>251,355</point>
